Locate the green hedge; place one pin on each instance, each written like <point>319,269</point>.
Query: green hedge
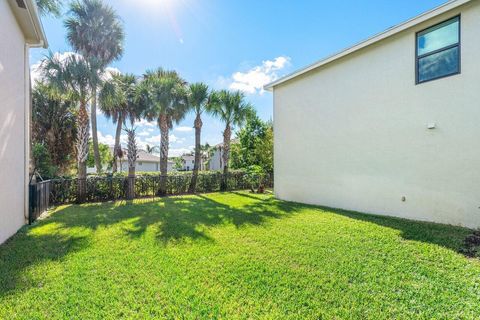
<point>106,188</point>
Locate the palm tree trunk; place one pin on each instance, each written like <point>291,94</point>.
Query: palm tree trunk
<point>117,144</point>
<point>132,159</point>
<point>227,134</point>
<point>93,115</point>
<point>198,130</point>
<point>163,125</point>
<point>82,152</point>
<point>131,183</point>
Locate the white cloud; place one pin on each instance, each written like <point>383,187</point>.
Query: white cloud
<point>177,152</point>
<point>144,133</point>
<point>183,129</point>
<point>155,140</point>
<point>145,123</point>
<point>174,139</point>
<point>106,139</point>
<point>109,73</point>
<point>252,81</point>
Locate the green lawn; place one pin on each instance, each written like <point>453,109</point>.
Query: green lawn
<point>234,255</point>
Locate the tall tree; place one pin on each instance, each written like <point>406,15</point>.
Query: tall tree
<point>73,76</point>
<point>164,96</point>
<point>117,100</point>
<point>132,160</point>
<point>95,30</point>
<point>198,99</point>
<point>53,125</point>
<point>231,108</point>
<point>50,7</point>
<point>255,145</point>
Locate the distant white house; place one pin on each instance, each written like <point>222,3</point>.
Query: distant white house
<point>146,162</point>
<point>20,30</point>
<point>389,126</point>
<point>216,160</point>
<point>188,162</point>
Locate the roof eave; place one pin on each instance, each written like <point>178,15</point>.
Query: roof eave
<point>37,24</point>
<point>378,37</point>
<point>28,18</point>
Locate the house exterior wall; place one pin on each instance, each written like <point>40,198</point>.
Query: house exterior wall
<point>143,166</point>
<point>358,129</point>
<point>215,163</point>
<point>13,131</point>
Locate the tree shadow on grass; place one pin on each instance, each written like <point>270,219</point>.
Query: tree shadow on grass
<point>173,219</point>
<point>189,217</point>
<point>447,236</point>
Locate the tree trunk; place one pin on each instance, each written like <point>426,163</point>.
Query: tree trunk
<point>131,183</point>
<point>83,133</point>
<point>132,160</point>
<point>117,144</point>
<point>227,134</point>
<point>93,116</point>
<point>198,130</point>
<point>82,182</point>
<point>163,125</point>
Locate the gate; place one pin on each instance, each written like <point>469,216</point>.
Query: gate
<point>39,194</point>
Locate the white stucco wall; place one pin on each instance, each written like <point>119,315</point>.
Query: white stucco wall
<point>143,166</point>
<point>356,130</point>
<point>216,162</point>
<point>13,157</point>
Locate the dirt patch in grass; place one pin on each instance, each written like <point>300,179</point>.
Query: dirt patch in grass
<point>472,245</point>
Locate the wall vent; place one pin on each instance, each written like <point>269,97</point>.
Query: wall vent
<point>21,4</point>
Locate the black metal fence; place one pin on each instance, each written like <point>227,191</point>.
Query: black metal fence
<point>100,189</point>
<point>39,199</point>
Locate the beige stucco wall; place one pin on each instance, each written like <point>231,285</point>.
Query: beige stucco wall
<point>12,120</point>
<point>353,134</point>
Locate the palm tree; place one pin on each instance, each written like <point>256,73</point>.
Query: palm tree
<point>95,30</point>
<point>163,95</point>
<point>151,149</point>
<point>232,109</point>
<point>73,76</point>
<point>198,100</point>
<point>117,100</point>
<point>132,160</point>
<point>52,7</point>
<point>53,124</point>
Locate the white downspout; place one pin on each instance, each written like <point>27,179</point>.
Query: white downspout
<point>27,115</point>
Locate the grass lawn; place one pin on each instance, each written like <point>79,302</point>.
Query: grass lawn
<point>234,255</point>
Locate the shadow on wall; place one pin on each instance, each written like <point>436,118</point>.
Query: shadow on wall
<point>173,220</point>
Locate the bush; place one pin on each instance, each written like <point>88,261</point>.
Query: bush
<point>42,161</point>
<point>256,178</point>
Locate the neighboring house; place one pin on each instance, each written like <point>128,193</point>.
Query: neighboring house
<point>389,126</point>
<point>216,160</point>
<point>20,30</point>
<point>189,163</point>
<point>146,162</point>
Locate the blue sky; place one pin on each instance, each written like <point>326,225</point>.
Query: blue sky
<point>235,44</point>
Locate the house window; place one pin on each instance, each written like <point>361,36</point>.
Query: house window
<point>438,51</point>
